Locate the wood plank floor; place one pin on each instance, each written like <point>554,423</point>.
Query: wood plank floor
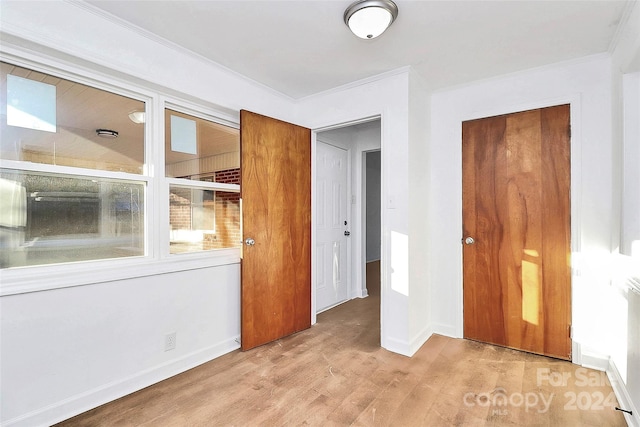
<point>336,374</point>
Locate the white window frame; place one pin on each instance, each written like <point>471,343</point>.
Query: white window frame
<point>156,259</point>
<point>200,113</point>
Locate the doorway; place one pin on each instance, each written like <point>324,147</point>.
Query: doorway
<point>357,139</point>
<point>516,230</point>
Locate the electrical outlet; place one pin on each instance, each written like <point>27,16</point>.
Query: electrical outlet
<point>170,341</point>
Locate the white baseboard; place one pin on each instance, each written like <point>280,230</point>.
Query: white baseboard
<point>80,403</point>
<point>446,330</point>
<point>622,394</point>
<point>420,339</point>
<point>396,346</point>
<point>590,359</point>
<point>408,348</point>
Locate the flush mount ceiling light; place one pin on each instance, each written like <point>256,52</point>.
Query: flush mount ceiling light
<point>106,133</point>
<point>368,19</point>
<point>136,116</point>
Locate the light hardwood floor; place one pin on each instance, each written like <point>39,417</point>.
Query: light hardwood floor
<point>336,374</point>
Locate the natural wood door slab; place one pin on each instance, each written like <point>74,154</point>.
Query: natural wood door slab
<point>276,194</point>
<point>516,206</point>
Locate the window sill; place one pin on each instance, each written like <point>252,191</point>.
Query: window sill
<point>42,278</point>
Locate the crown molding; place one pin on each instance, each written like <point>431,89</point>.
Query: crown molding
<point>80,4</point>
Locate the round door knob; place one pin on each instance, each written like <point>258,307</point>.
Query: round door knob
<point>469,241</point>
<point>249,241</point>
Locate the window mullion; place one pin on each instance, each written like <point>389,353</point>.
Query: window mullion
<point>70,170</point>
<point>160,238</point>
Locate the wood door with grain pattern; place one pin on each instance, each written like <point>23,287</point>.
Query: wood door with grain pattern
<point>276,199</point>
<point>516,230</point>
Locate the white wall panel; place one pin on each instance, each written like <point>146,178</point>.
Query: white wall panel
<point>68,350</point>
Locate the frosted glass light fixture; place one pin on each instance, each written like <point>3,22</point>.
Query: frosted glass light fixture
<point>137,117</point>
<point>368,19</point>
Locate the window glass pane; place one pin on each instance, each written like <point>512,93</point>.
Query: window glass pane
<point>31,104</point>
<point>65,134</point>
<point>217,148</point>
<point>183,135</point>
<point>203,219</point>
<point>51,218</point>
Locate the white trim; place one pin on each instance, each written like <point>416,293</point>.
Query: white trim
<point>42,63</point>
<point>314,203</point>
<point>57,276</point>
<point>41,39</point>
<point>190,183</point>
<point>119,82</point>
<point>524,72</point>
<point>409,348</point>
<point>574,100</point>
<point>446,330</point>
<point>576,350</point>
<point>348,123</point>
<point>385,241</point>
<point>358,280</point>
<point>622,23</point>
<point>69,170</point>
<point>90,399</point>
<point>210,114</point>
<point>158,194</point>
<point>397,346</point>
<point>157,259</point>
<point>593,360</point>
<point>420,338</point>
<point>601,362</point>
<point>361,214</point>
<point>622,394</point>
<point>351,85</point>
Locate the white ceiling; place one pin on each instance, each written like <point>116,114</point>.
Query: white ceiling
<point>303,47</point>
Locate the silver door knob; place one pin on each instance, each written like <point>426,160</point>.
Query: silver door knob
<point>249,241</point>
<point>469,241</point>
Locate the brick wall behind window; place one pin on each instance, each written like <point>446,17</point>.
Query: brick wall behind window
<point>227,213</point>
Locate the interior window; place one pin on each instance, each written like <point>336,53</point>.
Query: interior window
<point>46,119</point>
<point>55,134</point>
<point>200,155</point>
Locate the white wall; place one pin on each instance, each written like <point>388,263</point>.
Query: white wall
<point>624,336</point>
<point>67,350</point>
<point>420,261</point>
<point>587,85</point>
<point>404,314</point>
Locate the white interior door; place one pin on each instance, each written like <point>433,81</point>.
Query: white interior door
<point>331,226</point>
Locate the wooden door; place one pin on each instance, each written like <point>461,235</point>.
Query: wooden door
<point>276,195</point>
<point>331,224</point>
<point>516,188</point>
